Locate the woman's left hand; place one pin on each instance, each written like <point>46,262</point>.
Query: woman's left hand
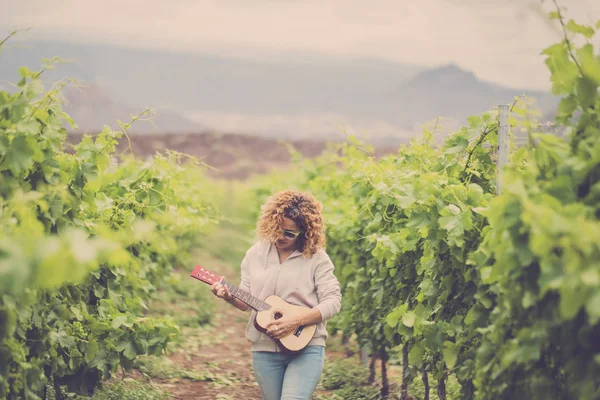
<point>282,327</point>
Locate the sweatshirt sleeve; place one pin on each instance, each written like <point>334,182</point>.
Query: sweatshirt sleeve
<point>328,289</point>
<point>245,275</point>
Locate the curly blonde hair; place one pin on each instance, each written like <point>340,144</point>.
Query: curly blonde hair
<point>300,207</point>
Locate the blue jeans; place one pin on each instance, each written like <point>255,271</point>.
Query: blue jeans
<point>282,376</point>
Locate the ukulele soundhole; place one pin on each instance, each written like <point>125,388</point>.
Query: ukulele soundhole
<point>277,315</point>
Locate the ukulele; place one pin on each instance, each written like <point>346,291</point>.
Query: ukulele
<point>271,309</point>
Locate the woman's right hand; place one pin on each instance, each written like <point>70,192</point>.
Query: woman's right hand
<point>221,291</point>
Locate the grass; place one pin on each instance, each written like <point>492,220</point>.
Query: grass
<point>228,243</point>
<point>164,368</point>
<point>126,389</point>
<point>344,378</point>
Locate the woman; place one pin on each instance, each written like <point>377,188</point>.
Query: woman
<point>289,261</point>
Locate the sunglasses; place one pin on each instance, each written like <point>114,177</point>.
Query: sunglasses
<point>289,234</point>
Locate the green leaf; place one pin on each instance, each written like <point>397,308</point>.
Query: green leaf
<point>24,72</point>
<point>450,353</point>
<point>103,202</point>
<point>587,92</point>
<point>347,271</point>
<point>393,317</point>
<point>91,350</point>
<point>409,319</point>
<point>590,63</point>
<point>474,120</point>
<point>130,352</point>
<point>450,223</point>
<point>473,316</point>
<point>118,321</point>
<point>591,276</point>
<point>4,144</point>
<point>460,145</point>
<point>521,353</point>
<point>592,305</point>
<point>128,349</point>
<point>70,120</point>
<point>567,106</point>
<point>65,340</point>
<point>586,31</point>
<point>77,313</point>
<point>20,155</point>
<point>143,344</point>
<point>99,360</point>
<point>28,128</point>
<point>416,353</point>
<point>528,300</point>
<point>571,300</point>
<point>563,70</point>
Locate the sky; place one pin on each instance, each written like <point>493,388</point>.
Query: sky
<point>499,40</point>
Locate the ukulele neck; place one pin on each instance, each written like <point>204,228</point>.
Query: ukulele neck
<point>253,302</point>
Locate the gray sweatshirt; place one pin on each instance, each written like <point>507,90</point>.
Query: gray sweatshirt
<point>299,280</point>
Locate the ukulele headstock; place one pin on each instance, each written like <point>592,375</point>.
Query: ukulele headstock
<point>204,275</point>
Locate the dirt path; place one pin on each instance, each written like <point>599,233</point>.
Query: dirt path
<point>224,352</point>
<point>217,356</point>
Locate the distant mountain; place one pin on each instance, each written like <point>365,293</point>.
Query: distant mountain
<point>388,99</point>
<point>193,82</point>
<point>452,92</point>
<point>91,109</point>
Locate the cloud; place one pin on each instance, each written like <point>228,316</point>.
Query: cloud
<point>499,40</point>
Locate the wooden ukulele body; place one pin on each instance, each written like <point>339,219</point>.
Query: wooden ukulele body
<point>293,341</point>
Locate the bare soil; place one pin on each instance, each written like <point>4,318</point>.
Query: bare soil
<point>230,156</point>
<point>228,358</point>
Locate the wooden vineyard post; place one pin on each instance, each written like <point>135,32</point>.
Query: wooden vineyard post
<point>503,141</point>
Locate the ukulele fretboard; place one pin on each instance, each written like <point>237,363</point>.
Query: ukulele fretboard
<point>247,298</point>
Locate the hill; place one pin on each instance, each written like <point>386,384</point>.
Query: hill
<point>293,97</point>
